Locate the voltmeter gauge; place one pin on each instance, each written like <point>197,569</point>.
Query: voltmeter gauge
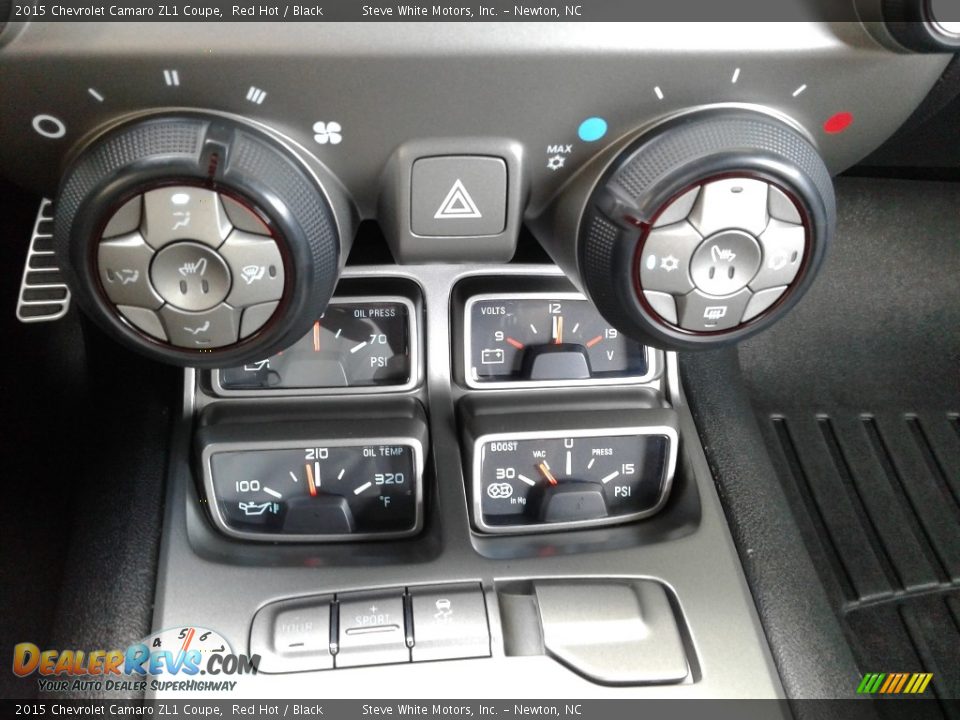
<point>539,339</point>
<point>571,478</point>
<point>324,490</point>
<point>358,343</point>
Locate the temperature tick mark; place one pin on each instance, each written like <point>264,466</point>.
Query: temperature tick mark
<point>658,92</point>
<point>271,491</point>
<point>95,95</point>
<point>362,488</point>
<point>575,328</point>
<point>569,463</point>
<point>339,330</point>
<point>533,327</point>
<point>799,90</point>
<point>295,478</point>
<point>736,76</point>
<point>611,476</point>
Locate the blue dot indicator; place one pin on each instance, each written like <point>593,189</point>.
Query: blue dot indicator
<point>592,129</point>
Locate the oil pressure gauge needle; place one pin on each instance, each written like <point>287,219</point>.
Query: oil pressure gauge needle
<point>545,469</point>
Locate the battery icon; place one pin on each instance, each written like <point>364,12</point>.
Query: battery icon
<point>491,356</point>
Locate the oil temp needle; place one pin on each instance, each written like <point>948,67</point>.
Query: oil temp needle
<point>310,483</point>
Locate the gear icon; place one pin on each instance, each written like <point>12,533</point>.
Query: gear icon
<point>669,263</point>
<point>556,162</point>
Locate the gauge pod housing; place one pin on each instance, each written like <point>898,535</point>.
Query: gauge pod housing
<point>706,229</point>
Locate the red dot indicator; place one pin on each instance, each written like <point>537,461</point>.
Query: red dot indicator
<point>838,123</point>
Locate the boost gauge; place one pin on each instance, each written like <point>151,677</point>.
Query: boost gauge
<point>544,340</point>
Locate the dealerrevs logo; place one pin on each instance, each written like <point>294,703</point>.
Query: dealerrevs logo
<point>170,660</point>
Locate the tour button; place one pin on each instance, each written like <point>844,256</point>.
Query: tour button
<point>372,629</point>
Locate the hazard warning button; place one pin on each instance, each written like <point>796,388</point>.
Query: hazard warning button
<point>458,196</point>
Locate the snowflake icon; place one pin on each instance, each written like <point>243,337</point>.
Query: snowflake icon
<point>327,132</point>
<point>669,263</point>
<point>556,162</point>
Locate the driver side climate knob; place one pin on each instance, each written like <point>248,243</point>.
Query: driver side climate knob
<point>197,240</point>
<point>706,229</point>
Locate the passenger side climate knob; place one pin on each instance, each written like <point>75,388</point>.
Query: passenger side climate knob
<point>707,229</point>
<point>198,240</point>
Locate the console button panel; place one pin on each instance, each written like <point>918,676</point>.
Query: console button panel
<point>391,626</point>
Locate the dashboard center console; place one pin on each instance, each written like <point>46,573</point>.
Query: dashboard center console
<point>450,446</point>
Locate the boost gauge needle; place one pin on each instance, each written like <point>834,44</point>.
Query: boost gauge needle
<point>545,469</point>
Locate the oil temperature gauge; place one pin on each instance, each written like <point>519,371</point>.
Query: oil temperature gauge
<point>571,478</point>
<point>324,490</point>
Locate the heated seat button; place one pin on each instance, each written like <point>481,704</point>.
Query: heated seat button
<point>449,622</point>
<point>372,629</point>
<point>293,636</point>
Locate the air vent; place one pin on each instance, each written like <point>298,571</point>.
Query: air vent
<point>43,294</point>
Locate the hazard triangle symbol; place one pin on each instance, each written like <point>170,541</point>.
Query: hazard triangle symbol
<point>457,204</point>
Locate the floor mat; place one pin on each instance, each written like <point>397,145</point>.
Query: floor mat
<point>858,397</point>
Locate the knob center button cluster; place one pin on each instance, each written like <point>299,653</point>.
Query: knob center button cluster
<point>190,267</point>
<point>190,276</point>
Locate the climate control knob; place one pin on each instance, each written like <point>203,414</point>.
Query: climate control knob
<point>198,240</point>
<point>706,229</point>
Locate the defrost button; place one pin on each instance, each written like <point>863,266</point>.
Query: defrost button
<point>783,246</point>
<point>256,266</point>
